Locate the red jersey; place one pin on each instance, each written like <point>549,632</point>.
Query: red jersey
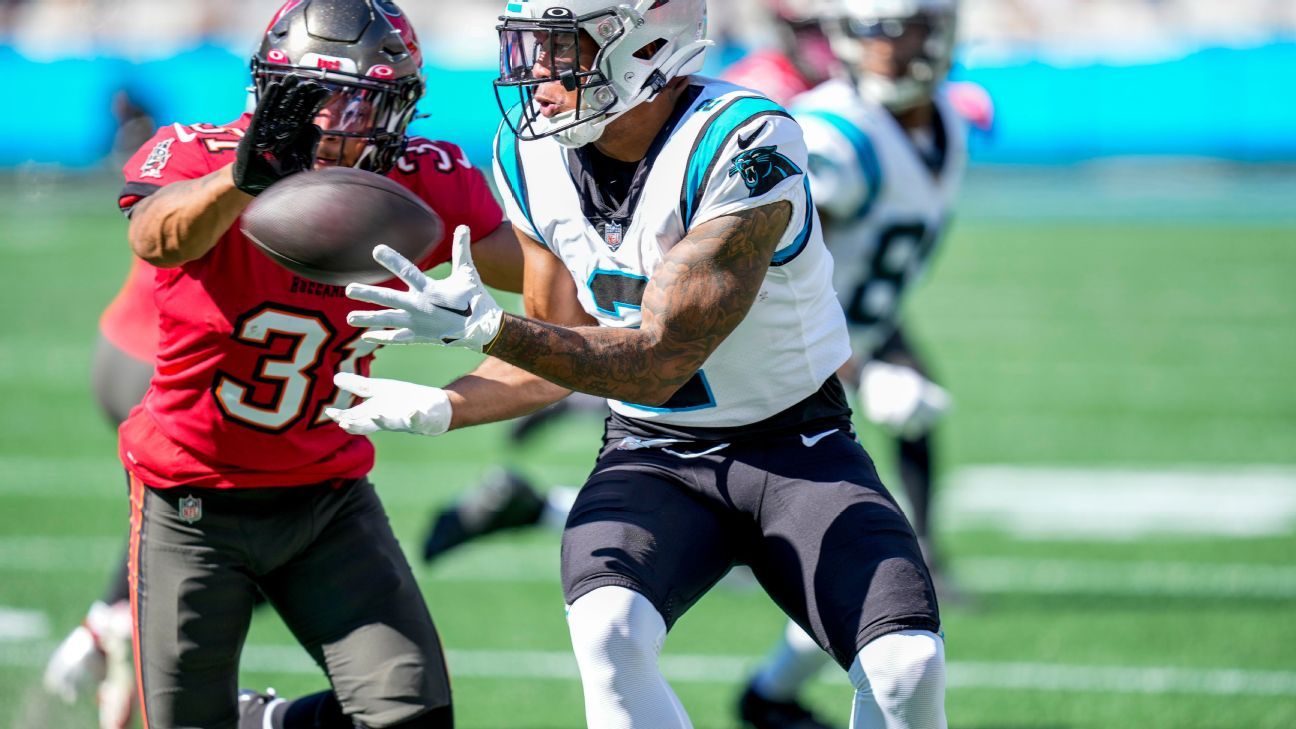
<point>247,349</point>
<point>770,73</point>
<point>131,321</point>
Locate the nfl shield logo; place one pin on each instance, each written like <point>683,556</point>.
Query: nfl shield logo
<point>190,509</point>
<point>612,234</point>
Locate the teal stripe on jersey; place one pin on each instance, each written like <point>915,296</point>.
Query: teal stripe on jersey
<point>794,250</point>
<point>719,128</point>
<point>507,157</point>
<point>864,153</point>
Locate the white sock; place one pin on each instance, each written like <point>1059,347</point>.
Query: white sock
<point>899,682</point>
<point>795,660</point>
<point>617,636</point>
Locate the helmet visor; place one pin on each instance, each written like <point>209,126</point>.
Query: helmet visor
<point>552,67</point>
<point>351,111</point>
<point>530,53</point>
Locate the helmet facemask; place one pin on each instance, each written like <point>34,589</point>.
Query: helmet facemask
<point>374,110</point>
<point>895,61</point>
<point>553,46</point>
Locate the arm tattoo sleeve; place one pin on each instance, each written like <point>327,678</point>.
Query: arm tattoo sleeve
<point>696,297</point>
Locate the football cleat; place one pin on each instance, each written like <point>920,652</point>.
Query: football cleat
<point>504,500</point>
<point>256,709</point>
<point>758,712</point>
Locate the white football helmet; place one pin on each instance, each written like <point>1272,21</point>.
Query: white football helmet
<point>642,45</point>
<point>930,24</point>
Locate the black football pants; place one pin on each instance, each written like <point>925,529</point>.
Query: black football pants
<point>327,560</point>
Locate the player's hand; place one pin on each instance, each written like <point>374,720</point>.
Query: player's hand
<point>900,399</point>
<point>456,311</point>
<point>281,138</point>
<point>393,405</point>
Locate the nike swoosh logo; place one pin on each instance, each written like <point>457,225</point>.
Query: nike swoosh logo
<point>745,143</point>
<point>464,312</point>
<point>183,135</point>
<point>810,441</point>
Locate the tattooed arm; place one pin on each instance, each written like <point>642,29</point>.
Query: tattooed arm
<point>183,220</point>
<point>695,298</point>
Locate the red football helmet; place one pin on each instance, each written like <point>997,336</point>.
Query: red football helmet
<point>366,53</point>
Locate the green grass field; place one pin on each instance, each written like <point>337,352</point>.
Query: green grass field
<point>1078,331</point>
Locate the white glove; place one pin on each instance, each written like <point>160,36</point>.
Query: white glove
<point>391,405</point>
<point>455,311</point>
<point>900,399</point>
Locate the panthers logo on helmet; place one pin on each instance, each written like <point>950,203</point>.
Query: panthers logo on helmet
<point>762,168</point>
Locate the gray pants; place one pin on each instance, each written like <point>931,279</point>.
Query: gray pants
<point>324,556</point>
<point>118,380</point>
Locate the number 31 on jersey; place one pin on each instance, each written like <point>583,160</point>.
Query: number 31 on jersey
<point>291,377</point>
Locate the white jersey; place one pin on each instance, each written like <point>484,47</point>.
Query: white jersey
<point>884,207</point>
<point>731,150</point>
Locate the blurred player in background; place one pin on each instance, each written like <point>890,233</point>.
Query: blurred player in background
<point>236,489</point>
<point>96,656</point>
<point>887,156</point>
<point>802,60</point>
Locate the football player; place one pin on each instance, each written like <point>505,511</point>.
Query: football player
<point>886,154</point>
<point>674,265</point>
<point>236,487</point>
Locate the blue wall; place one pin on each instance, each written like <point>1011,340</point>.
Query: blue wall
<point>1218,102</point>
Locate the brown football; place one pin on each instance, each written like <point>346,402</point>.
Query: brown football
<point>324,224</point>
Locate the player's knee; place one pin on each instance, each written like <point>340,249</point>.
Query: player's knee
<point>905,674</point>
<point>616,634</point>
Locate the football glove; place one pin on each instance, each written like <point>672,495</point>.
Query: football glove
<point>281,138</point>
<point>900,399</point>
<point>393,405</point>
<point>455,311</point>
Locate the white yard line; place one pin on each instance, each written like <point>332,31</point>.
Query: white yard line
<point>688,668</point>
<point>16,624</point>
<point>1120,503</point>
<point>1107,577</point>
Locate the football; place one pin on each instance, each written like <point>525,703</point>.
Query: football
<point>324,224</point>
